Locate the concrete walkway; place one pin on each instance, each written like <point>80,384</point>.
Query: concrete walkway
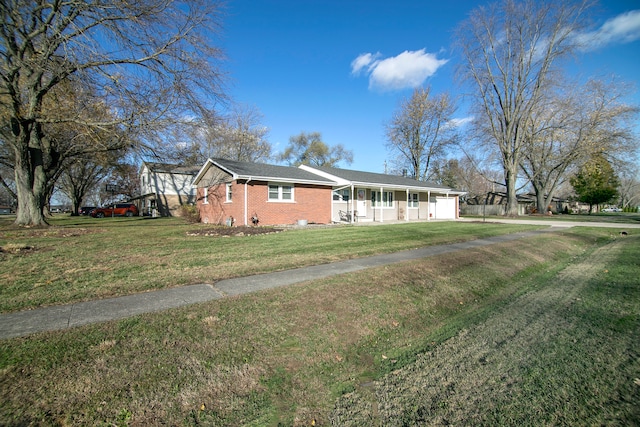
<point>54,318</point>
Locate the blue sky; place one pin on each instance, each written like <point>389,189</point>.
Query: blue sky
<point>340,67</point>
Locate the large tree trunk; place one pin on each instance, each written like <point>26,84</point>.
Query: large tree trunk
<point>541,200</point>
<point>512,200</point>
<point>31,182</point>
<point>31,197</point>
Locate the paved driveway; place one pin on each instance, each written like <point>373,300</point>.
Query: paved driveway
<point>551,222</point>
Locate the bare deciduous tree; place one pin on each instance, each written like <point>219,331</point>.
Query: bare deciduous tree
<point>309,149</point>
<point>629,189</point>
<point>145,61</point>
<point>476,179</point>
<point>510,51</point>
<point>420,132</point>
<point>240,135</point>
<point>80,176</point>
<point>571,127</point>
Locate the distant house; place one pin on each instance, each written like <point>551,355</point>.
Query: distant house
<point>165,187</point>
<point>495,203</point>
<point>246,193</point>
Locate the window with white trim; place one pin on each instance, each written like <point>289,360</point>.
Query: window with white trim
<point>413,201</point>
<point>229,193</point>
<point>280,193</point>
<point>384,200</point>
<point>205,195</point>
<point>343,195</point>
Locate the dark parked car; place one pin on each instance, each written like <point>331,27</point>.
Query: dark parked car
<point>86,210</point>
<point>121,209</point>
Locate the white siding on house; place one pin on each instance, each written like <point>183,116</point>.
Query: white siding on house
<point>165,188</point>
<point>170,184</point>
<point>173,184</point>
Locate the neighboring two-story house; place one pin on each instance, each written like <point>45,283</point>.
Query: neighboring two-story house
<point>165,187</point>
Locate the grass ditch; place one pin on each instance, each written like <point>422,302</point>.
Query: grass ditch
<point>324,350</point>
<point>561,351</point>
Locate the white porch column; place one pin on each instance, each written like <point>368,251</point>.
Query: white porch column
<point>429,205</point>
<point>406,208</point>
<point>381,214</point>
<point>353,205</point>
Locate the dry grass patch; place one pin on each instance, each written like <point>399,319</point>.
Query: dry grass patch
<point>16,248</point>
<point>239,231</point>
<point>536,362</point>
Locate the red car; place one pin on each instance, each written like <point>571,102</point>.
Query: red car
<point>86,210</point>
<point>120,209</point>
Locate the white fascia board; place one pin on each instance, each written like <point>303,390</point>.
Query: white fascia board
<point>415,188</point>
<point>343,182</point>
<point>207,165</point>
<point>337,180</point>
<point>202,171</point>
<point>284,180</point>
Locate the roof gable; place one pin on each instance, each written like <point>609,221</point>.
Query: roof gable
<point>172,168</point>
<point>263,172</point>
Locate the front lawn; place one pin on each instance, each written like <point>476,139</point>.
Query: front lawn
<point>82,258</point>
<point>539,331</point>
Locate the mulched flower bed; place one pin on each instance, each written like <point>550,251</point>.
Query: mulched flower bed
<point>234,231</point>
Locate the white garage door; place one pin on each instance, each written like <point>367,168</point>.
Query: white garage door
<point>445,208</point>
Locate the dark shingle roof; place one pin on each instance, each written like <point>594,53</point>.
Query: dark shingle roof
<point>172,168</point>
<point>371,178</point>
<point>269,172</point>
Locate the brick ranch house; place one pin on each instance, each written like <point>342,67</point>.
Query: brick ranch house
<point>251,193</point>
<point>242,193</point>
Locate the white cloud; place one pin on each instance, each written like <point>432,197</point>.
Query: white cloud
<point>624,28</point>
<point>408,70</point>
<point>456,123</point>
<point>363,61</point>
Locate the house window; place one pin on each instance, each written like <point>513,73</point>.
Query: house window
<point>205,196</point>
<point>229,192</point>
<point>413,200</point>
<point>384,199</point>
<point>280,193</point>
<point>342,195</point>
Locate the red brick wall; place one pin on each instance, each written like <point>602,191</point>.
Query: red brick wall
<point>311,203</point>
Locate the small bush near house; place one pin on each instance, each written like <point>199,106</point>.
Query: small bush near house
<point>190,213</point>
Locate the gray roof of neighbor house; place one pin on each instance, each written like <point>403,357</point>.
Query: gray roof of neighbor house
<point>172,168</point>
<point>379,179</point>
<point>264,172</point>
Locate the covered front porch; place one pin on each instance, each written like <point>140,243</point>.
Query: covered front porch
<point>374,197</point>
<point>353,203</point>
